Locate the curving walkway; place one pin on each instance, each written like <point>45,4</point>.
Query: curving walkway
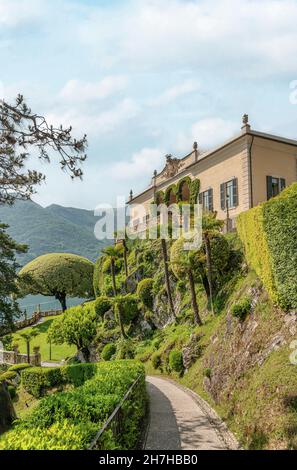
<point>179,419</point>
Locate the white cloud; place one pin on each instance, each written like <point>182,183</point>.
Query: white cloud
<point>15,12</point>
<point>79,91</point>
<point>142,163</point>
<point>245,37</point>
<point>171,94</point>
<point>208,132</point>
<point>96,123</point>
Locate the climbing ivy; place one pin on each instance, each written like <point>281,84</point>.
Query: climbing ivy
<point>179,187</point>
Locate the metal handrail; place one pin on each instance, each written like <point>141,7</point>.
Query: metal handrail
<point>113,415</point>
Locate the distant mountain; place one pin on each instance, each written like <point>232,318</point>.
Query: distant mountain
<point>54,229</point>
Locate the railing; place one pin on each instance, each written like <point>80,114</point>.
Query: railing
<point>114,421</point>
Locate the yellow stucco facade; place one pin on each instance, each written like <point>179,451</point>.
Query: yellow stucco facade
<point>251,160</point>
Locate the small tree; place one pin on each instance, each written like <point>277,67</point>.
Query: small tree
<point>9,308</point>
<point>59,275</point>
<point>27,336</point>
<point>113,253</point>
<point>76,326</point>
<point>184,265</point>
<point>210,227</point>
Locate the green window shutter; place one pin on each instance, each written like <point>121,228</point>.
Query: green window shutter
<point>223,196</point>
<point>235,192</point>
<point>200,198</point>
<point>282,184</point>
<point>269,186</point>
<point>210,198</point>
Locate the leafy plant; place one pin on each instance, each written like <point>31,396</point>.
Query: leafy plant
<point>242,308</point>
<point>108,351</point>
<point>102,305</point>
<point>176,361</point>
<point>144,292</point>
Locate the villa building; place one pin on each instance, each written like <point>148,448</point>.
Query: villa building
<point>239,174</point>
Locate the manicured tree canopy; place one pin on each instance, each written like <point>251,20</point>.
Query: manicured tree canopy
<point>58,274</point>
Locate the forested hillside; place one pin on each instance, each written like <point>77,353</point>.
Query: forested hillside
<point>51,229</point>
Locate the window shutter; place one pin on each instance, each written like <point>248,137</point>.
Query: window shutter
<point>235,192</point>
<point>200,198</point>
<point>282,183</point>
<point>210,199</point>
<point>269,186</point>
<point>223,196</point>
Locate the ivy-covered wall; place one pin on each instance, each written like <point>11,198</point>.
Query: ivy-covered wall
<point>269,235</point>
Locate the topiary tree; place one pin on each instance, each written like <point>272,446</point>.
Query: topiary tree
<point>184,264</point>
<point>76,326</point>
<point>58,274</point>
<point>108,351</point>
<point>144,292</point>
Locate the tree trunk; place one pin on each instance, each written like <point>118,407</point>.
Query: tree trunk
<point>28,351</point>
<point>166,272</point>
<point>125,258</point>
<point>197,318</point>
<point>114,286</point>
<point>205,285</point>
<point>7,412</point>
<point>123,333</point>
<point>86,354</point>
<point>61,297</point>
<point>209,269</point>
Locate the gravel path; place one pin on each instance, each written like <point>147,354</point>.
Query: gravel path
<point>179,419</point>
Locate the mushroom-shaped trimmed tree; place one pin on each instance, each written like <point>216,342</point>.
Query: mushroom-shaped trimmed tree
<point>59,275</point>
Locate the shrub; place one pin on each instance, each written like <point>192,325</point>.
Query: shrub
<point>125,349</point>
<point>129,307</point>
<point>145,292</point>
<point>37,380</point>
<point>176,361</point>
<point>70,420</point>
<point>242,308</point>
<point>108,351</point>
<point>77,374</point>
<point>156,361</point>
<point>12,391</point>
<point>19,367</point>
<point>8,376</point>
<point>207,373</point>
<point>102,305</point>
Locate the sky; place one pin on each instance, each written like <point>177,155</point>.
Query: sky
<point>144,78</point>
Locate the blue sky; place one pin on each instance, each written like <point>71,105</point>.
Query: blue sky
<point>145,78</point>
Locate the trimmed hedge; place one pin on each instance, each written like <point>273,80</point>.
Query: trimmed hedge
<point>8,376</point>
<point>70,420</point>
<point>19,367</point>
<point>268,233</point>
<point>37,380</point>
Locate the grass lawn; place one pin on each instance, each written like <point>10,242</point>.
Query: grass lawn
<point>59,352</point>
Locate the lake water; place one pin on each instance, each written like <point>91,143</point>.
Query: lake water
<point>31,303</point>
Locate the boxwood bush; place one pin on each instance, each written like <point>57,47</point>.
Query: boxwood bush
<point>71,419</point>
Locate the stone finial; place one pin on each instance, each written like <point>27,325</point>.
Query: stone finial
<point>131,195</point>
<point>245,124</point>
<point>155,174</point>
<point>195,146</point>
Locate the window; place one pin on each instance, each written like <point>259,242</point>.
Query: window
<point>206,199</point>
<point>274,186</point>
<point>229,194</point>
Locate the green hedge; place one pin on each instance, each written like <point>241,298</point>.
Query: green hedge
<point>37,380</point>
<point>8,376</point>
<point>268,233</point>
<point>19,367</point>
<point>71,419</point>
